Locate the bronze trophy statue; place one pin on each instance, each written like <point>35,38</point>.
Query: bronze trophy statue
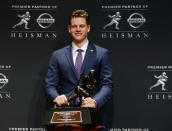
<point>88,83</point>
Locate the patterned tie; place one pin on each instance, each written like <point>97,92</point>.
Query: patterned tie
<point>78,63</point>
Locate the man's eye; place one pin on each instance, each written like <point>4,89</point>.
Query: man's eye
<point>82,26</point>
<point>74,26</point>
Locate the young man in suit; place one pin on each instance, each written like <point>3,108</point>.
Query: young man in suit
<point>79,57</point>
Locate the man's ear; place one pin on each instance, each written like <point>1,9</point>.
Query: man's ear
<point>69,28</point>
<point>88,28</point>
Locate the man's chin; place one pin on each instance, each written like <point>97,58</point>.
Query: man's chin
<point>78,40</point>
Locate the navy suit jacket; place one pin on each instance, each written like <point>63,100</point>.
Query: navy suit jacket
<point>61,77</point>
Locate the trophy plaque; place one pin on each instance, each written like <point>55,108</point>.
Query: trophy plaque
<point>66,117</point>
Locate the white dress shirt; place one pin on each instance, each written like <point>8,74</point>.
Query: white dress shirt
<point>75,52</point>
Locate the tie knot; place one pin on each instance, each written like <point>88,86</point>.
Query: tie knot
<point>79,50</point>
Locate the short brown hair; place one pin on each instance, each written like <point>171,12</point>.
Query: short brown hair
<point>79,13</point>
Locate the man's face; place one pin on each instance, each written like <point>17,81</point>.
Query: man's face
<point>78,29</point>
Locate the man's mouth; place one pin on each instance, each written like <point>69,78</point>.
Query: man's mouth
<point>78,34</point>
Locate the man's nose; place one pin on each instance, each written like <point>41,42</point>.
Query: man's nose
<point>78,28</point>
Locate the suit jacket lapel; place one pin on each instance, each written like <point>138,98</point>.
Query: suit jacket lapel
<point>88,56</point>
<point>69,56</point>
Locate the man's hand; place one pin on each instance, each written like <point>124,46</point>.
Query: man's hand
<point>61,100</point>
<point>88,102</point>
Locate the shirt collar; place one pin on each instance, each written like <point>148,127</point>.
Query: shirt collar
<point>75,48</point>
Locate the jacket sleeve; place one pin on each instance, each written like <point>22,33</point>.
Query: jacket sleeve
<point>52,78</point>
<point>106,81</point>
